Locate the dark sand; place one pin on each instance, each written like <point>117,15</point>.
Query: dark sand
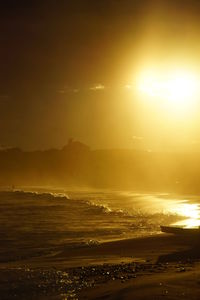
<point>158,267</point>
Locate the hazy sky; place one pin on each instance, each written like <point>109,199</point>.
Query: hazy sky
<point>66,67</point>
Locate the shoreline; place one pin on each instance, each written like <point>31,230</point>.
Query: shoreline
<point>125,268</point>
<point>160,247</point>
<point>156,248</point>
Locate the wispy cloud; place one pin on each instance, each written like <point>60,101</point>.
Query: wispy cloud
<point>128,87</point>
<point>75,90</point>
<point>97,87</point>
<point>61,91</point>
<point>67,89</point>
<point>137,138</point>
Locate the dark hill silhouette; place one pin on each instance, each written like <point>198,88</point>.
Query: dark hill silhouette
<point>77,166</point>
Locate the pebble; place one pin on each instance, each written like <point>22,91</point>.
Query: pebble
<point>69,282</point>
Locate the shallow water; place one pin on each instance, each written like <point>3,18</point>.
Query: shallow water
<point>37,223</point>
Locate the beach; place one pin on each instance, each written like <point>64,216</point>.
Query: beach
<point>157,267</point>
<point>100,150</point>
<point>96,245</point>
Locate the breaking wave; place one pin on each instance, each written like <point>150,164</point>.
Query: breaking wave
<point>46,222</point>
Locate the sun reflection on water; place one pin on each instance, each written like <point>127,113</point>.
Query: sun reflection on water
<point>189,210</point>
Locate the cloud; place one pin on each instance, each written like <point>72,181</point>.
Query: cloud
<point>67,90</point>
<point>128,86</point>
<point>137,138</point>
<point>61,91</point>
<point>97,87</point>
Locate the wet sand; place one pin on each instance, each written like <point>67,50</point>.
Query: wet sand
<point>144,268</point>
<point>172,282</point>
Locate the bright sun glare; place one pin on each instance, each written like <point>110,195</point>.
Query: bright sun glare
<point>189,210</point>
<point>178,89</point>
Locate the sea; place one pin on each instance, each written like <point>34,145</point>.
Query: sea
<point>39,221</point>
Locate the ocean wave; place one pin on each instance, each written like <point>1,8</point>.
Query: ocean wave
<point>33,194</point>
<point>86,207</point>
<point>41,222</point>
<point>84,204</point>
<point>103,208</point>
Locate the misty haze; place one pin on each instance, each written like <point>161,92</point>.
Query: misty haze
<point>99,149</point>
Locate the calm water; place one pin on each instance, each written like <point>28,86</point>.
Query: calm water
<point>35,223</point>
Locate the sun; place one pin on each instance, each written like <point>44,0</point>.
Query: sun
<point>177,88</point>
<point>182,86</point>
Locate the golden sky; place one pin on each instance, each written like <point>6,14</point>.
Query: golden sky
<point>101,72</point>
